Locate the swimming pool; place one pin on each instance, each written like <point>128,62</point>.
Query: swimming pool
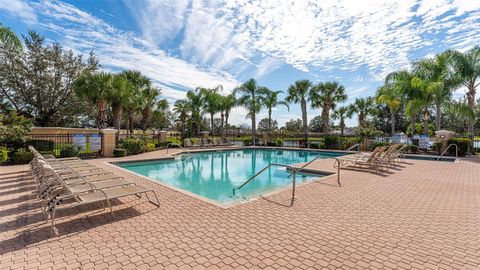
<point>213,175</point>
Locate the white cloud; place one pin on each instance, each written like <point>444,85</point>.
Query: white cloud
<point>120,50</point>
<point>19,9</point>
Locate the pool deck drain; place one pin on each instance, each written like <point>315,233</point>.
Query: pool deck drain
<point>422,215</point>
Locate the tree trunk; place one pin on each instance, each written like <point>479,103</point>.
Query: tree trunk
<point>342,126</point>
<point>361,119</point>
<point>131,123</point>
<point>412,124</point>
<point>303,105</point>
<point>269,121</point>
<point>211,123</point>
<point>145,118</point>
<point>392,119</point>
<point>438,114</point>
<point>254,128</point>
<point>101,114</point>
<point>226,123</point>
<point>222,126</point>
<point>471,104</point>
<point>325,119</point>
<point>426,120</point>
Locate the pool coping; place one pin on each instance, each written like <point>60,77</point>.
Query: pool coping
<point>238,203</point>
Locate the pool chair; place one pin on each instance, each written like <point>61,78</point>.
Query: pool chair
<point>218,142</point>
<point>371,160</point>
<point>204,143</point>
<point>67,197</point>
<point>188,143</point>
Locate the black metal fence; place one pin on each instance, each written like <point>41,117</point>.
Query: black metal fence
<point>90,144</point>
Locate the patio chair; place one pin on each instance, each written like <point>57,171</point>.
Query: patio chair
<point>57,199</point>
<point>372,160</point>
<point>188,143</point>
<point>204,143</point>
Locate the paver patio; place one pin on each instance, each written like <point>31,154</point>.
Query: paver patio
<point>425,215</point>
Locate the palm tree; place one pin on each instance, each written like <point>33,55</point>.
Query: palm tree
<point>119,97</point>
<point>135,100</point>
<point>96,88</point>
<point>270,100</point>
<point>228,103</point>
<point>435,70</point>
<point>150,98</point>
<point>341,114</point>
<point>182,108</point>
<point>363,107</point>
<point>299,92</point>
<point>402,81</point>
<point>326,96</point>
<point>251,99</point>
<point>9,40</point>
<point>390,97</point>
<point>211,102</point>
<point>194,98</point>
<point>466,67</point>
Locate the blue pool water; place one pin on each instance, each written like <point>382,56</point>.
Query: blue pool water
<point>213,175</point>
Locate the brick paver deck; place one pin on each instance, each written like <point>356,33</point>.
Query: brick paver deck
<point>425,215</point>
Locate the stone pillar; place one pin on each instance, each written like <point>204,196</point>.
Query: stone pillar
<point>108,142</point>
<point>163,136</point>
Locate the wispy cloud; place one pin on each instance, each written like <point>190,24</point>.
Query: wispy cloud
<point>19,9</point>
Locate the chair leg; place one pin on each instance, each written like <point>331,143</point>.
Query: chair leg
<point>111,210</point>
<point>52,226</point>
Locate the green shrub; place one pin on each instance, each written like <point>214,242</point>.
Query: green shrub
<point>271,143</point>
<point>150,147</point>
<point>22,157</point>
<point>411,148</point>
<point>463,145</point>
<point>43,153</point>
<point>119,152</point>
<point>249,142</point>
<point>164,144</point>
<point>42,145</point>
<point>133,146</point>
<point>330,142</point>
<point>3,154</point>
<point>374,145</point>
<point>69,150</point>
<point>348,142</point>
<point>279,142</point>
<point>314,145</point>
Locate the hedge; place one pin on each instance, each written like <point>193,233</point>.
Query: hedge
<point>22,157</point>
<point>133,146</point>
<point>3,154</point>
<point>69,150</point>
<point>119,152</point>
<point>42,145</point>
<point>463,145</point>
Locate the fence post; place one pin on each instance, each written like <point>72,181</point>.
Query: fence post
<point>108,141</point>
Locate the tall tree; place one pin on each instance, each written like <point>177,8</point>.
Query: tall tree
<point>9,40</point>
<point>228,103</point>
<point>391,97</point>
<point>122,89</point>
<point>466,67</point>
<point>270,100</point>
<point>363,107</point>
<point>402,81</point>
<point>150,97</point>
<point>299,92</point>
<point>342,113</point>
<point>97,88</point>
<point>251,99</point>
<point>135,101</point>
<point>194,98</point>
<point>39,82</point>
<point>182,109</point>
<point>326,96</point>
<point>211,100</point>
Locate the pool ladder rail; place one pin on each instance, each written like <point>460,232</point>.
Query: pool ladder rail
<point>294,170</point>
<point>186,150</point>
<point>446,149</point>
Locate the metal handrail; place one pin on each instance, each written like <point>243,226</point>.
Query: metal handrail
<point>357,145</point>
<point>294,173</point>
<point>191,155</point>
<point>446,149</point>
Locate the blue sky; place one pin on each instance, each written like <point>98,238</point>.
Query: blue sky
<point>185,44</point>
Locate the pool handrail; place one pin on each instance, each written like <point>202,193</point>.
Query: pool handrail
<point>186,150</point>
<point>448,147</point>
<point>294,173</point>
<point>357,145</point>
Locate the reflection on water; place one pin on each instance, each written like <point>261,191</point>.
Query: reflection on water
<point>213,175</point>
